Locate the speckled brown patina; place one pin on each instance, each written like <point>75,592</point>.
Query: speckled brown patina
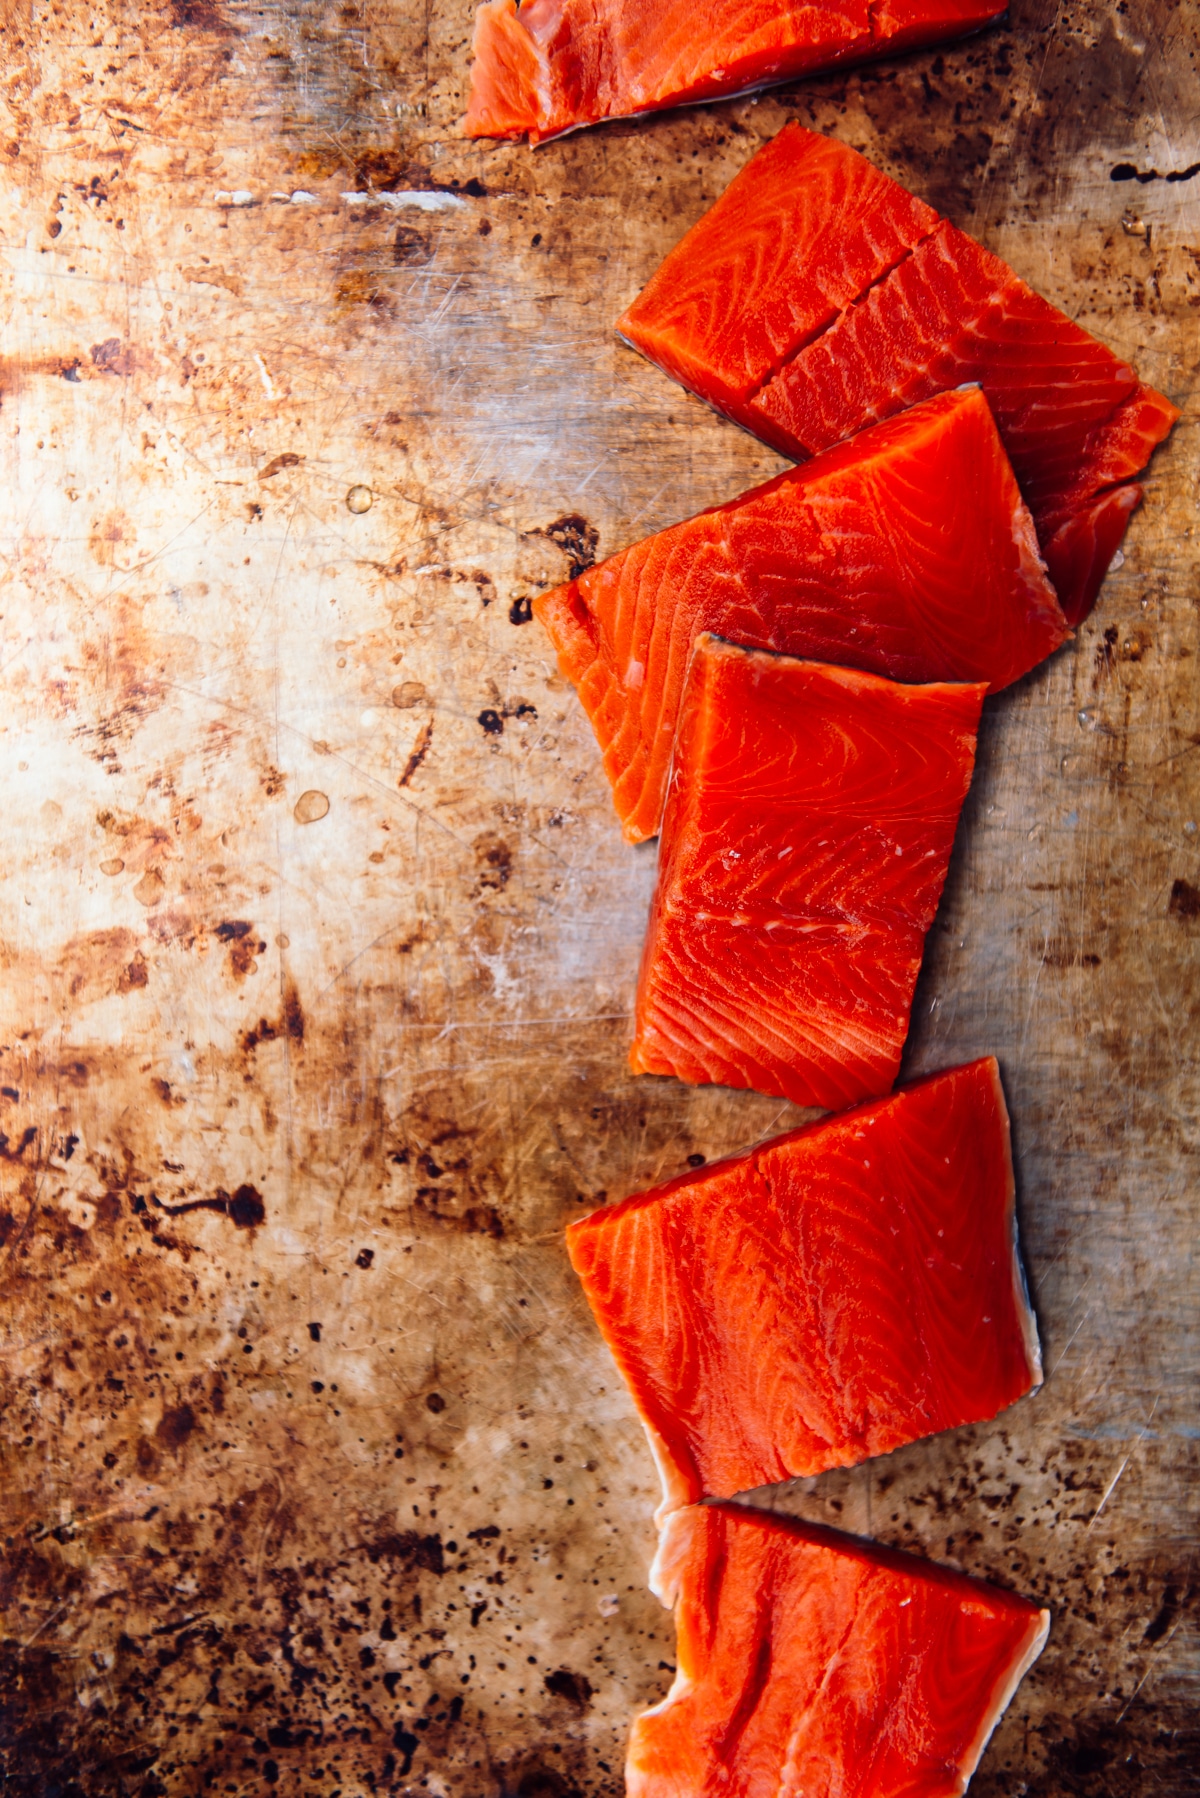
<point>318,937</point>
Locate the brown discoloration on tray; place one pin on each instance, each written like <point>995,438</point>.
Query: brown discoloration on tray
<point>293,1113</point>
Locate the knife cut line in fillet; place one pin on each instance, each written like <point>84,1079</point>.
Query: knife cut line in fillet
<point>818,296</point>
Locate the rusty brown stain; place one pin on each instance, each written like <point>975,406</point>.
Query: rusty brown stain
<point>215,277</point>
<point>304,1084</point>
<point>420,750</point>
<point>287,459</point>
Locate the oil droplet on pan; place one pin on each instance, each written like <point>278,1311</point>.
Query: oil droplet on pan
<point>310,806</point>
<point>150,888</point>
<point>408,694</point>
<point>359,499</point>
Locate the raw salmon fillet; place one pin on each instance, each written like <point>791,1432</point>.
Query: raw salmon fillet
<point>813,1664</point>
<point>809,822</point>
<point>817,296</point>
<point>554,65</point>
<point>841,1291</point>
<point>907,551</point>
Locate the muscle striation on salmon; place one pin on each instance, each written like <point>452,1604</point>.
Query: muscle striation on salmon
<point>810,816</point>
<point>906,552</point>
<point>812,1662</point>
<point>551,66</point>
<point>841,1291</point>
<point>818,296</point>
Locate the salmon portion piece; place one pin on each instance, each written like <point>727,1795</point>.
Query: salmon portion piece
<point>845,1289</point>
<point>554,65</point>
<point>812,1662</point>
<point>893,305</point>
<point>907,552</point>
<point>807,833</point>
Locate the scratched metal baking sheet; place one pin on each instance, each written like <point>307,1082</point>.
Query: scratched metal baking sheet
<point>318,939</point>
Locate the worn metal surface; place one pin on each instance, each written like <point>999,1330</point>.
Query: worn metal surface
<point>318,936</point>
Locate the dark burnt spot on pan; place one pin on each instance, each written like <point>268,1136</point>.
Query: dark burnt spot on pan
<point>1129,171</point>
<point>1184,902</point>
<point>407,1548</point>
<point>493,862</point>
<point>293,1013</point>
<point>1106,650</point>
<point>244,1207</point>
<point>406,1745</point>
<point>244,946</point>
<point>10,1151</point>
<point>576,1688</point>
<point>1164,1617</point>
<point>577,537</point>
<point>1059,954</point>
<point>289,1025</point>
<point>536,1780</point>
<point>175,1426</point>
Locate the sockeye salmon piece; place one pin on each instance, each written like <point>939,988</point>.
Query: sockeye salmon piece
<point>554,65</point>
<point>907,552</point>
<point>817,296</point>
<point>843,1290</point>
<point>815,1663</point>
<point>809,822</point>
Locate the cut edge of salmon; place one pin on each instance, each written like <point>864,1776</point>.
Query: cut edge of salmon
<point>1039,1635</point>
<point>1026,1315</point>
<point>667,1565</point>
